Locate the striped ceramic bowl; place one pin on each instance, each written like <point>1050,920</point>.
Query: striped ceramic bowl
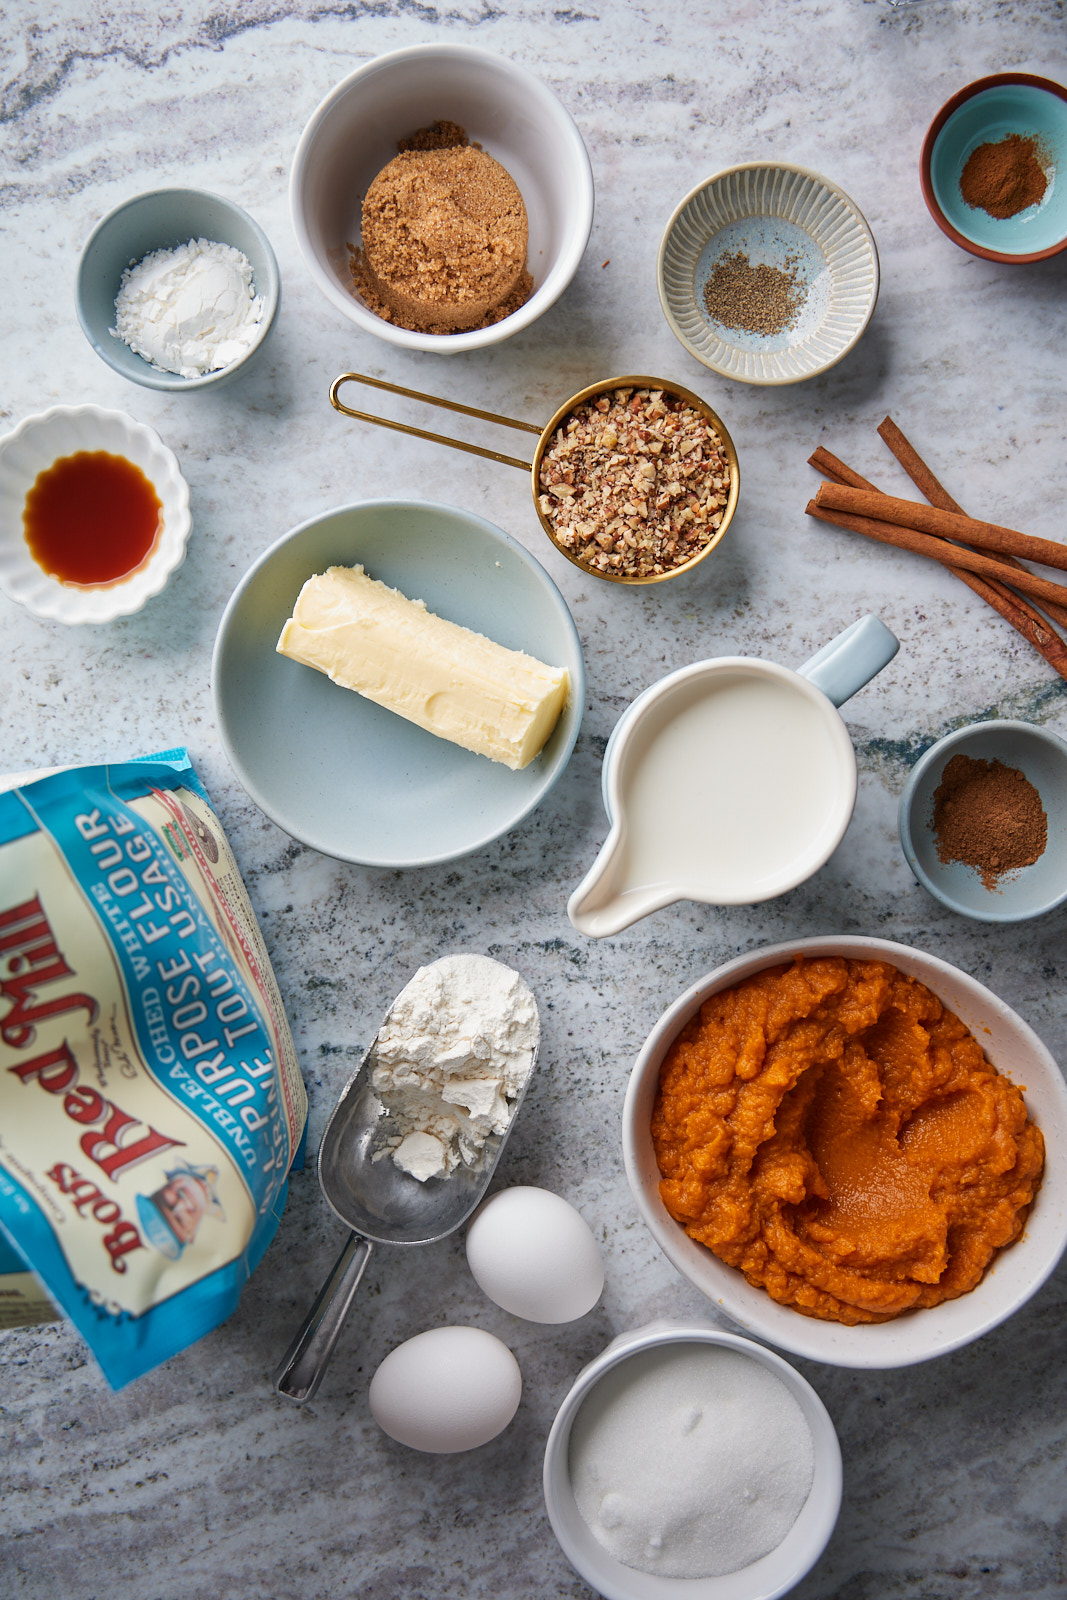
<point>768,326</point>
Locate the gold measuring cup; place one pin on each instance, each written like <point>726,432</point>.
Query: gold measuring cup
<point>545,435</point>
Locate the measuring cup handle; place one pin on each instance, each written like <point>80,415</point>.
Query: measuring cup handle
<point>844,665</point>
<point>301,1370</point>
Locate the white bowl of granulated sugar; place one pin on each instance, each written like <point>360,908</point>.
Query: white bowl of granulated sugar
<point>177,289</point>
<point>691,1464</point>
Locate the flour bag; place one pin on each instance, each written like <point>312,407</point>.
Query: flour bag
<point>150,1100</point>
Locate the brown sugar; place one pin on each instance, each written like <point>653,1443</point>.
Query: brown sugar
<point>438,136</point>
<point>988,816</point>
<point>444,241</point>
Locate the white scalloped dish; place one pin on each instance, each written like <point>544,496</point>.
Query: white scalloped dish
<point>792,220</point>
<point>63,431</point>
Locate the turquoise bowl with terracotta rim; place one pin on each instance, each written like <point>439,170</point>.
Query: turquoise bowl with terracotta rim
<point>986,112</point>
<point>1028,892</point>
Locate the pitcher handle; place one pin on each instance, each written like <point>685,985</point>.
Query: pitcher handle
<point>853,658</point>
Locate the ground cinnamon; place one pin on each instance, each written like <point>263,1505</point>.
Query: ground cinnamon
<point>988,816</point>
<point>1004,178</point>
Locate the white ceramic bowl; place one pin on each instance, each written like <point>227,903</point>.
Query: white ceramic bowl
<point>1016,1273</point>
<point>162,219</point>
<point>63,431</point>
<point>776,213</point>
<point>775,1573</point>
<point>502,107</point>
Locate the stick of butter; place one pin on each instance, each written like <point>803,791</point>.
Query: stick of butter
<point>449,680</point>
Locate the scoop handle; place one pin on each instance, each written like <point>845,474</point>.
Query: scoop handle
<point>301,1370</point>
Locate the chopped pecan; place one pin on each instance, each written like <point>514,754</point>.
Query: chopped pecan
<point>634,483</point>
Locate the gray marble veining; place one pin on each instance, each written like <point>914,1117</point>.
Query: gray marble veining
<point>197,1479</point>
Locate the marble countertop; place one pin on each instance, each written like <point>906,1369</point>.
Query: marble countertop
<point>197,1479</point>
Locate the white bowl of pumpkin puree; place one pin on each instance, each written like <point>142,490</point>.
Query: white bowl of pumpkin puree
<point>854,1149</point>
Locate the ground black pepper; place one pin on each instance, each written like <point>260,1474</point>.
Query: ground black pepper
<point>761,299</point>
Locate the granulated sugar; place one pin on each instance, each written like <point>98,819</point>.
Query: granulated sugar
<point>690,1461</point>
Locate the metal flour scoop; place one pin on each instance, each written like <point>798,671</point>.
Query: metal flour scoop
<point>382,1204</point>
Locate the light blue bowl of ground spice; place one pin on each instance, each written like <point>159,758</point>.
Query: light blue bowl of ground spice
<point>983,821</point>
<point>993,168</point>
<point>767,273</point>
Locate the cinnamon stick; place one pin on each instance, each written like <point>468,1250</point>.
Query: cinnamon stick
<point>923,544</point>
<point>830,466</point>
<point>1012,607</point>
<point>935,491</point>
<point>1047,643</point>
<point>914,465</point>
<point>940,524</point>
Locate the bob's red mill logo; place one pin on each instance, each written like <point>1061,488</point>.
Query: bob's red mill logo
<point>114,1141</point>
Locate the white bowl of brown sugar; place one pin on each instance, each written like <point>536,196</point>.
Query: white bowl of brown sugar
<point>767,273</point>
<point>442,197</point>
<point>983,821</point>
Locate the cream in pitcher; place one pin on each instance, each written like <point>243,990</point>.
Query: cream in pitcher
<point>728,782</point>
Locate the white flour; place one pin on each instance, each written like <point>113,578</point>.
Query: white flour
<point>190,310</point>
<point>454,1051</point>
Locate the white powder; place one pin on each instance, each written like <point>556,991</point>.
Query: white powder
<point>690,1461</point>
<point>451,1057</point>
<point>190,310</point>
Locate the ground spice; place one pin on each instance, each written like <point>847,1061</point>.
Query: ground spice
<point>988,816</point>
<point>1004,178</point>
<point>444,237</point>
<point>761,299</point>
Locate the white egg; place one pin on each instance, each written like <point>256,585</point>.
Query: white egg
<point>446,1389</point>
<point>533,1254</point>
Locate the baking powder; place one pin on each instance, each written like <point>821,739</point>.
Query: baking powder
<point>191,310</point>
<point>450,1058</point>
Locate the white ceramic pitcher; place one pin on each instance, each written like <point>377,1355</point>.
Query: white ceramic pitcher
<point>728,782</point>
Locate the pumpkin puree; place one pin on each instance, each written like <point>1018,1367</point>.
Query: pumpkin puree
<point>831,1130</point>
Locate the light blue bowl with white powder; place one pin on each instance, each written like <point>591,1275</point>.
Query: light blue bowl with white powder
<point>213,318</point>
<point>808,233</point>
<point>691,1464</point>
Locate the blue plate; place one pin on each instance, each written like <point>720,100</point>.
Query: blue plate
<point>1028,892</point>
<point>985,113</point>
<point>344,775</point>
